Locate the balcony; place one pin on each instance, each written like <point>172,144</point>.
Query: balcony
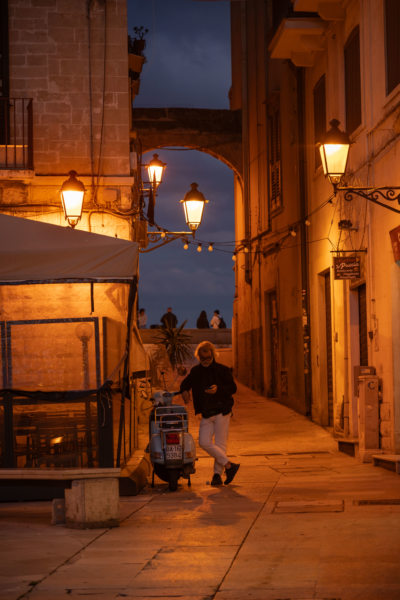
<point>16,133</point>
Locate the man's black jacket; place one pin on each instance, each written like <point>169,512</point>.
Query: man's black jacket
<point>201,378</point>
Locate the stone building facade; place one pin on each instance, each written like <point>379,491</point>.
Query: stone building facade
<point>322,344</point>
<point>68,79</point>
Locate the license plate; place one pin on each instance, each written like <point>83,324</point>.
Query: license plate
<point>173,452</point>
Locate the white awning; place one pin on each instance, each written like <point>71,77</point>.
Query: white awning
<point>35,252</point>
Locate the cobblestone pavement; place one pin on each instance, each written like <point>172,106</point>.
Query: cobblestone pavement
<point>300,521</point>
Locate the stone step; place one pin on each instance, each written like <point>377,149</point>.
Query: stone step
<point>348,446</point>
<point>387,461</point>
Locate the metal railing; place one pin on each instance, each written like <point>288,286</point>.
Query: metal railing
<point>16,133</point>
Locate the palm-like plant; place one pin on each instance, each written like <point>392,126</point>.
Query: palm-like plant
<point>176,344</point>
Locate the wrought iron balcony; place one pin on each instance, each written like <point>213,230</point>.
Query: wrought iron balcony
<point>16,133</point>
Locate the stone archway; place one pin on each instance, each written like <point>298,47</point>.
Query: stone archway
<point>215,132</point>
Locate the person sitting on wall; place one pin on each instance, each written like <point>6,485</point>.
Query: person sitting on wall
<point>216,319</point>
<point>202,321</point>
<point>169,319</point>
<point>142,319</point>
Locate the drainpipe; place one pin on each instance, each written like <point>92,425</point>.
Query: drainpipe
<point>305,292</point>
<point>245,136</point>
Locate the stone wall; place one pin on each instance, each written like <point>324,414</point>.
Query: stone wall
<point>58,57</point>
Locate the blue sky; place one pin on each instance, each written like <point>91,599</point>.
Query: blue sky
<point>188,65</point>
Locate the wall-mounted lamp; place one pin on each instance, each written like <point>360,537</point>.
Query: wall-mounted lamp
<point>193,206</point>
<point>155,171</point>
<point>334,150</point>
<point>72,193</point>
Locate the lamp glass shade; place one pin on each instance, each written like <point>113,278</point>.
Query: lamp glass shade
<point>193,213</point>
<point>334,160</point>
<point>193,206</point>
<point>72,193</point>
<point>334,150</point>
<point>155,170</point>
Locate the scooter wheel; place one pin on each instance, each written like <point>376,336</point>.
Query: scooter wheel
<point>174,475</point>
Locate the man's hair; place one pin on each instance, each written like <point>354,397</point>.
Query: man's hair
<point>206,346</point>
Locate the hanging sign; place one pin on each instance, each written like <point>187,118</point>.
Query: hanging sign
<point>395,238</point>
<point>346,267</point>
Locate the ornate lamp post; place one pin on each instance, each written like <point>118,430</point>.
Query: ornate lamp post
<point>334,149</point>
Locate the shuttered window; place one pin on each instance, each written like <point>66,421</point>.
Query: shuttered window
<point>362,315</point>
<point>4,58</point>
<point>392,34</point>
<point>352,80</point>
<point>275,175</point>
<point>319,116</point>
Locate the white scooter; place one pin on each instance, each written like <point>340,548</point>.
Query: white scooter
<point>171,446</point>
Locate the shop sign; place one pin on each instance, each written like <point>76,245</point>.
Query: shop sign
<point>346,267</point>
<point>395,238</point>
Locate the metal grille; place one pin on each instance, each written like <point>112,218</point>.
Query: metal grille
<point>16,133</point>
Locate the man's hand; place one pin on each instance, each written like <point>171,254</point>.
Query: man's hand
<point>186,396</point>
<point>212,389</point>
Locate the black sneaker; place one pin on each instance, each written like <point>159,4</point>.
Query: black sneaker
<point>216,480</point>
<point>231,472</point>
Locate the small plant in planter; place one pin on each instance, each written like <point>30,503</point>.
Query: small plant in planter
<point>176,344</point>
<point>137,43</point>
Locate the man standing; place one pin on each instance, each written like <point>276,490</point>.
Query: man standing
<point>169,319</point>
<point>212,388</point>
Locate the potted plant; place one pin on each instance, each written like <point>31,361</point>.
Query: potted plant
<point>177,346</point>
<point>137,43</point>
<point>136,46</point>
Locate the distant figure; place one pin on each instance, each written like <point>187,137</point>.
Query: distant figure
<point>216,319</point>
<point>142,319</point>
<point>222,324</point>
<point>169,319</point>
<point>202,321</point>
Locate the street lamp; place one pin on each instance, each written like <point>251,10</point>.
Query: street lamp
<point>72,193</point>
<point>193,206</point>
<point>334,150</point>
<point>155,171</point>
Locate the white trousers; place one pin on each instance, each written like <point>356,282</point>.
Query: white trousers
<point>216,427</point>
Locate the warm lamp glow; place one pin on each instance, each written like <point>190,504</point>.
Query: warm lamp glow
<point>72,193</point>
<point>155,170</point>
<point>334,150</point>
<point>193,206</point>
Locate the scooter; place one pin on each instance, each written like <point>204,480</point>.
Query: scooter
<point>171,446</point>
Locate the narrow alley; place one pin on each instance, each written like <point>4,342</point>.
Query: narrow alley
<point>300,521</point>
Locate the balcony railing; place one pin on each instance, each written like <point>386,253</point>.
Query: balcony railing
<point>16,133</point>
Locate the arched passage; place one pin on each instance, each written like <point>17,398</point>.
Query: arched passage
<point>215,132</point>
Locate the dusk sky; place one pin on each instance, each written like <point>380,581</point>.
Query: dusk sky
<point>188,65</point>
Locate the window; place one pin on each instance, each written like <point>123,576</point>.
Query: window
<point>275,177</point>
<point>392,32</point>
<point>352,80</point>
<point>319,115</point>
<point>4,49</point>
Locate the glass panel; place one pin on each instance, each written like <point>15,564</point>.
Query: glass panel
<point>55,435</point>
